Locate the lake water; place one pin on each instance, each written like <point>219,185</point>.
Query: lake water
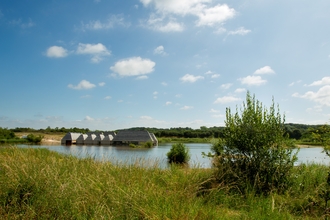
<point>147,156</point>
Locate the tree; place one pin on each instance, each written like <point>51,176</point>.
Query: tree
<point>255,152</point>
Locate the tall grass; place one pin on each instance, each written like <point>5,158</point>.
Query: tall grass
<point>40,184</point>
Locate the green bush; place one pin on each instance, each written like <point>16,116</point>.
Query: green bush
<point>254,153</point>
<point>34,139</point>
<point>179,153</point>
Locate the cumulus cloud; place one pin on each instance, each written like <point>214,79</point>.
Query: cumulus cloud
<point>160,50</point>
<point>23,25</point>
<point>168,103</point>
<point>111,22</point>
<point>102,84</point>
<point>88,118</point>
<point>134,66</point>
<point>214,111</point>
<point>97,51</point>
<point>322,96</point>
<point>84,84</point>
<point>252,80</point>
<point>164,83</point>
<point>264,70</point>
<point>213,15</point>
<point>226,99</point>
<point>206,14</point>
<point>214,76</point>
<point>323,81</point>
<point>186,107</point>
<point>190,78</point>
<point>107,97</point>
<point>56,52</point>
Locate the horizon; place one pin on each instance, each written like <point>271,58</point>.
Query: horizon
<point>151,63</point>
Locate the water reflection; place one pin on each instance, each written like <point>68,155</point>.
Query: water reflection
<point>157,155</point>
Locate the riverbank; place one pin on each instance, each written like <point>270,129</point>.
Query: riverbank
<point>38,183</point>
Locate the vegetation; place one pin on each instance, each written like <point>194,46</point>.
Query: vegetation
<point>254,153</point>
<point>178,153</point>
<point>40,184</point>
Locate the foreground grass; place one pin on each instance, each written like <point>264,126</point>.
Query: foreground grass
<point>40,184</point>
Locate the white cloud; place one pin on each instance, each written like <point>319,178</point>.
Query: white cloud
<point>264,70</point>
<point>160,50</point>
<point>322,96</point>
<point>252,80</point>
<point>56,52</point>
<point>168,103</point>
<point>84,84</point>
<point>323,81</point>
<point>214,111</point>
<point>107,97</point>
<point>87,118</point>
<point>209,72</point>
<point>85,96</point>
<point>226,86</point>
<point>186,107</point>
<point>240,90</point>
<point>293,83</point>
<point>240,31</point>
<point>96,50</point>
<point>111,22</point>
<point>102,84</point>
<point>134,66</point>
<point>226,99</point>
<point>215,15</point>
<point>163,24</point>
<point>206,14</point>
<point>214,76</point>
<point>164,83</point>
<point>190,78</point>
<point>142,77</point>
<point>146,118</point>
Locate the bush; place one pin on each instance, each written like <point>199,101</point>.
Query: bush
<point>254,152</point>
<point>179,153</point>
<point>34,139</point>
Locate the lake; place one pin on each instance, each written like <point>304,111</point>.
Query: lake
<point>147,156</point>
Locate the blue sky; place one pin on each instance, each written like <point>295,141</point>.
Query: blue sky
<point>161,63</point>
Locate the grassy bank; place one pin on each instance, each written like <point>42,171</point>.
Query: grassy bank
<point>37,183</point>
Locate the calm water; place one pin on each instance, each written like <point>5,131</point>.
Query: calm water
<point>158,154</point>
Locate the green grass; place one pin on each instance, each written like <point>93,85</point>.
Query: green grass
<point>40,184</point>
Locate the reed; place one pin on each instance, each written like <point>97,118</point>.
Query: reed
<point>40,184</point>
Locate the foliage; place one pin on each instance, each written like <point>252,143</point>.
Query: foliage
<point>40,184</point>
<point>148,144</point>
<point>254,152</point>
<point>178,153</point>
<point>34,139</point>
<point>6,134</point>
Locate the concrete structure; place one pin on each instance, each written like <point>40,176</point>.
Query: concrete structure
<point>70,138</point>
<point>125,137</point>
<point>134,137</point>
<point>90,139</point>
<point>81,139</point>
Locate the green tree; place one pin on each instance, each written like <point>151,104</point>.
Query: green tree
<point>178,153</point>
<point>255,152</point>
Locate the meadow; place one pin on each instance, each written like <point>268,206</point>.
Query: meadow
<point>40,184</point>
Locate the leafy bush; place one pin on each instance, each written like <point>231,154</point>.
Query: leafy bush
<point>34,139</point>
<point>254,152</point>
<point>148,144</point>
<point>178,153</point>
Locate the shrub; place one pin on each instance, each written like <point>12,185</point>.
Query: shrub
<point>34,139</point>
<point>179,153</point>
<point>254,152</point>
<point>148,144</point>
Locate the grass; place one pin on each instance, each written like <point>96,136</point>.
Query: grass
<point>40,184</point>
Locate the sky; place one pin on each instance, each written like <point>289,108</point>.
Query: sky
<point>107,65</point>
